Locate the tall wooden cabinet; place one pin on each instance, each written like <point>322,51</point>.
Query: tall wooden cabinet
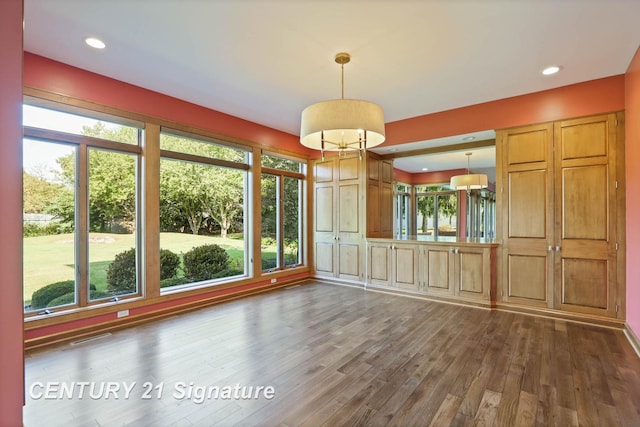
<point>559,191</point>
<point>379,196</point>
<point>353,198</point>
<point>338,220</point>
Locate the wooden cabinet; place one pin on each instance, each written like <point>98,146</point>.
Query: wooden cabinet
<point>352,197</point>
<point>394,264</point>
<point>459,271</point>
<point>560,209</point>
<point>465,272</point>
<point>338,222</point>
<point>475,272</point>
<point>379,196</point>
<point>438,270</point>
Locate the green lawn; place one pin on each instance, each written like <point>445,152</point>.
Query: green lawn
<point>50,259</point>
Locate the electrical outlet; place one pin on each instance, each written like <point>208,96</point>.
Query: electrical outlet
<point>274,280</point>
<point>123,313</point>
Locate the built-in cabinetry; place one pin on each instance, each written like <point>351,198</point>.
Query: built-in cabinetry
<point>379,196</point>
<point>453,270</point>
<point>393,264</point>
<point>338,220</point>
<point>561,199</point>
<point>353,198</point>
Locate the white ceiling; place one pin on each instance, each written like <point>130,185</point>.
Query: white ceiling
<point>265,61</point>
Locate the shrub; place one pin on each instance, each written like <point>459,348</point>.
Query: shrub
<point>30,229</point>
<point>121,274</point>
<point>227,273</point>
<point>94,294</point>
<point>43,296</point>
<point>169,263</point>
<point>174,281</point>
<point>69,298</point>
<point>203,262</point>
<point>47,295</point>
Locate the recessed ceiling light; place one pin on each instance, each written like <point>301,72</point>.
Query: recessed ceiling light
<point>425,169</point>
<point>550,70</point>
<point>468,138</point>
<point>95,43</point>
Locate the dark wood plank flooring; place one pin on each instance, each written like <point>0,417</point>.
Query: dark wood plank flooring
<point>337,356</point>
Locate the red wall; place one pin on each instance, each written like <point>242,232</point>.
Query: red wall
<point>11,324</point>
<point>593,97</point>
<point>43,73</point>
<point>632,158</point>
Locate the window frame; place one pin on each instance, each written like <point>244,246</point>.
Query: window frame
<point>82,144</point>
<point>280,175</point>
<point>244,167</point>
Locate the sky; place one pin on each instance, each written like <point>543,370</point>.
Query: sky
<point>39,158</point>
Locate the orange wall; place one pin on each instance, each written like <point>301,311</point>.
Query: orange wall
<point>632,158</point>
<point>43,73</point>
<point>592,97</point>
<point>11,324</point>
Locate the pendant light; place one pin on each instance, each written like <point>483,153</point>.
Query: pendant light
<point>342,124</point>
<point>470,181</point>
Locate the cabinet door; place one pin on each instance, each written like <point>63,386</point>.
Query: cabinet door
<point>349,236</point>
<point>379,262</point>
<point>473,272</point>
<point>526,201</point>
<point>405,266</point>
<point>585,260</point>
<point>437,269</point>
<point>324,220</point>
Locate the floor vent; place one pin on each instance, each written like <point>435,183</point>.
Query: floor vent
<point>90,339</point>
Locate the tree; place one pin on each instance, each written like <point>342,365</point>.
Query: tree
<point>195,194</point>
<point>112,181</point>
<point>38,193</point>
<point>291,199</point>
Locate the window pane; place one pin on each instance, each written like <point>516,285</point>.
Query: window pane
<point>292,227</point>
<point>270,219</point>
<point>113,266</point>
<point>78,125</point>
<point>201,222</point>
<point>425,209</point>
<point>282,164</point>
<point>181,144</point>
<point>447,214</point>
<point>49,182</point>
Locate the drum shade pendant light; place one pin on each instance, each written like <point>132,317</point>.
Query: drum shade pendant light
<point>342,124</point>
<point>470,181</point>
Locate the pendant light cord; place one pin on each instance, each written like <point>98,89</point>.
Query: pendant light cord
<point>342,67</point>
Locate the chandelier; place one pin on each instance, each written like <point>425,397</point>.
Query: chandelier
<point>342,124</point>
<point>470,181</point>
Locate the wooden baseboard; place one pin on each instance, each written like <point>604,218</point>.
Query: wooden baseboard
<point>125,322</point>
<point>587,319</point>
<point>632,338</point>
<point>513,308</point>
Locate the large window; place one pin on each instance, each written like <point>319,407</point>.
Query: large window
<point>203,210</point>
<point>282,185</point>
<point>88,180</point>
<point>80,187</point>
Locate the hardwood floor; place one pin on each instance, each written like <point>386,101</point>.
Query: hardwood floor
<point>335,356</point>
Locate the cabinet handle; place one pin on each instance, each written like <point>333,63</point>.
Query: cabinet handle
<point>558,248</point>
<point>390,247</point>
<point>452,251</point>
<point>549,248</point>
